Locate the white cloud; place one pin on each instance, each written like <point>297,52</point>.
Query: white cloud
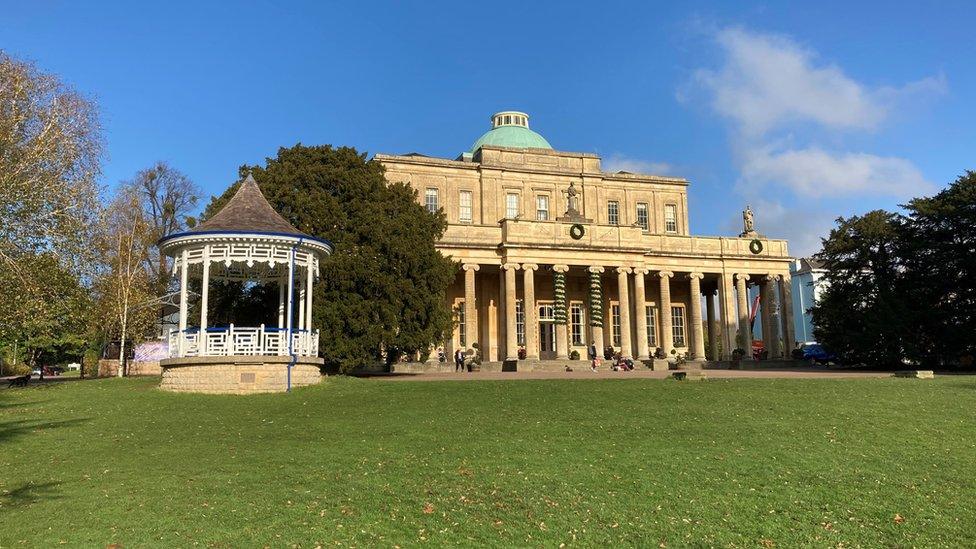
<point>619,162</point>
<point>768,81</point>
<point>814,172</point>
<point>774,90</point>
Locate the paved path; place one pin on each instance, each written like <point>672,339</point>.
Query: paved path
<point>585,373</point>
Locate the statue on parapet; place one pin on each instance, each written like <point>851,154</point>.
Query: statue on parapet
<point>748,223</point>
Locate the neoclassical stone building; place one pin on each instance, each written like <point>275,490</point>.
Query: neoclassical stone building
<point>557,254</point>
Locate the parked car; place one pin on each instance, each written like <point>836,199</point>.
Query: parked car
<point>816,352</point>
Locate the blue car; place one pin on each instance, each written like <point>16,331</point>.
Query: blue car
<point>816,353</point>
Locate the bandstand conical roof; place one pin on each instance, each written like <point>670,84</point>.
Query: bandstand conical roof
<point>248,211</point>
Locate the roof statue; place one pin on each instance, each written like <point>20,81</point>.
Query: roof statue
<point>748,223</point>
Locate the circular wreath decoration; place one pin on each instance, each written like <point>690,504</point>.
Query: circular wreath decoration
<point>756,246</point>
<point>577,231</point>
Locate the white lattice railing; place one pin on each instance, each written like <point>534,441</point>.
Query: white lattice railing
<point>234,340</point>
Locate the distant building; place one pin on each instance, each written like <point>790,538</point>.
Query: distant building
<point>807,274</point>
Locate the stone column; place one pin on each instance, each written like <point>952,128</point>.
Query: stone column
<point>623,295</point>
<point>559,310</point>
<point>765,308</point>
<point>712,326</point>
<point>640,313</point>
<point>697,339</point>
<point>531,312</point>
<point>727,316</point>
<point>667,336</point>
<point>470,306</point>
<point>745,328</point>
<point>596,309</point>
<point>786,313</point>
<point>511,336</point>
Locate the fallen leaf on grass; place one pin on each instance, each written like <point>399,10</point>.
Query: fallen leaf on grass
<point>899,519</point>
<point>428,508</point>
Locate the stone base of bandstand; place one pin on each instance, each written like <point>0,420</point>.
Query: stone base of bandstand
<point>238,375</point>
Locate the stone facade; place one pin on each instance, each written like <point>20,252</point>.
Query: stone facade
<point>238,374</point>
<point>636,279</point>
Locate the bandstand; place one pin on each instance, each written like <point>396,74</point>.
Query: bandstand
<point>246,241</point>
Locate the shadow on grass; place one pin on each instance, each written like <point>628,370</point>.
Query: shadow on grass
<point>30,492</point>
<point>10,430</point>
<point>9,404</point>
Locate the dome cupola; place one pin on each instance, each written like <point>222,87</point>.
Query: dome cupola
<point>510,129</point>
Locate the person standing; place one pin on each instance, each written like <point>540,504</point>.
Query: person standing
<point>458,360</point>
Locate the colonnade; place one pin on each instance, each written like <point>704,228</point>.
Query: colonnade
<point>726,307</point>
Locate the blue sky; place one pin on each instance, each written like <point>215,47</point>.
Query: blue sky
<point>806,112</point>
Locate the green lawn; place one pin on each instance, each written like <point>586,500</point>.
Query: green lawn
<point>741,463</point>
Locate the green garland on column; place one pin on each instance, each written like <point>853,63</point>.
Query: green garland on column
<point>559,291</point>
<point>596,300</point>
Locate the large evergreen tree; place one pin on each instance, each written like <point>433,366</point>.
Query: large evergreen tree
<point>383,288</point>
<point>938,249</point>
<point>860,314</point>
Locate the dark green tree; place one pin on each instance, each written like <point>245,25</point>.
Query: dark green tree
<point>383,288</point>
<point>861,312</point>
<point>938,249</point>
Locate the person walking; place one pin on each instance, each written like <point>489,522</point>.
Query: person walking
<point>594,360</point>
<point>459,360</point>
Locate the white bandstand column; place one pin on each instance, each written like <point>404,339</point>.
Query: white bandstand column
<point>511,336</point>
<point>470,305</point>
<point>309,282</point>
<point>531,312</point>
<point>667,334</point>
<point>204,300</point>
<point>281,302</point>
<point>713,336</point>
<point>640,313</point>
<point>183,304</point>
<point>745,328</point>
<point>301,303</point>
<point>623,296</point>
<point>290,308</point>
<point>698,350</point>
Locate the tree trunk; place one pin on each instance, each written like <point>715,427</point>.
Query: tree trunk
<point>125,319</point>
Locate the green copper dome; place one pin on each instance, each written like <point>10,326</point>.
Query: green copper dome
<point>511,129</point>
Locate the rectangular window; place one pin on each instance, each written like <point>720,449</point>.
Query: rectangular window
<point>519,323</point>
<point>542,207</point>
<point>615,324</point>
<point>651,327</point>
<point>576,323</point>
<point>613,212</point>
<point>511,205</point>
<point>462,342</point>
<point>430,200</point>
<point>670,218</point>
<point>642,215</point>
<point>546,312</point>
<point>464,207</point>
<point>678,326</point>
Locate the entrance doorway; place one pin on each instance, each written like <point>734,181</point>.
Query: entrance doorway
<point>547,332</point>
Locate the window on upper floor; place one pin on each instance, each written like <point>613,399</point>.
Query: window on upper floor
<point>464,207</point>
<point>613,212</point>
<point>430,200</point>
<point>642,215</point>
<point>670,218</point>
<point>511,205</point>
<point>542,207</point>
